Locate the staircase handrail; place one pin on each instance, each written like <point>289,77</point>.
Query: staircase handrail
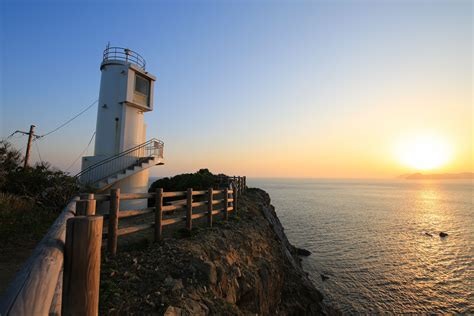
<point>122,154</point>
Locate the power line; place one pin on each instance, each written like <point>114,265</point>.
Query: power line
<point>11,135</point>
<point>68,121</point>
<point>80,155</point>
<point>39,154</point>
<point>17,133</point>
<point>20,133</point>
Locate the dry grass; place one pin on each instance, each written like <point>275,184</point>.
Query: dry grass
<point>22,224</point>
<point>21,219</point>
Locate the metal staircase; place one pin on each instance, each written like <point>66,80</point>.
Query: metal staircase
<point>105,173</point>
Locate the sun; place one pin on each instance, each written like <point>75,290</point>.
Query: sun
<point>424,152</point>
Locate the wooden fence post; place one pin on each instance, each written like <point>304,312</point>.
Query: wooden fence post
<point>226,204</point>
<point>81,207</point>
<point>86,208</point>
<point>209,207</point>
<point>159,214</point>
<point>113,221</point>
<point>91,205</point>
<point>234,196</point>
<point>81,276</point>
<point>189,209</point>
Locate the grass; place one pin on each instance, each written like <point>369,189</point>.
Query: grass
<point>22,220</point>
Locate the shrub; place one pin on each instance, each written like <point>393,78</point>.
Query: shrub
<point>201,180</point>
<point>21,219</point>
<point>30,198</point>
<point>46,186</point>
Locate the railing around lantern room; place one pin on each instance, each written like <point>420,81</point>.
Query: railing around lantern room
<point>124,54</point>
<point>121,161</point>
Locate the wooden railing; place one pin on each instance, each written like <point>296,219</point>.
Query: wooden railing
<point>37,287</point>
<point>62,276</point>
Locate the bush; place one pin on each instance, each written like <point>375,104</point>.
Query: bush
<point>46,186</point>
<point>201,180</point>
<point>21,219</point>
<point>10,160</point>
<point>30,198</point>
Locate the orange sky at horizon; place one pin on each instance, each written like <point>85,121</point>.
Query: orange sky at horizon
<point>359,144</point>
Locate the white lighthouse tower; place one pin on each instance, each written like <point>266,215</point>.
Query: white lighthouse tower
<point>122,154</point>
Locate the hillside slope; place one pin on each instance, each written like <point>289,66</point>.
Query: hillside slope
<point>245,266</point>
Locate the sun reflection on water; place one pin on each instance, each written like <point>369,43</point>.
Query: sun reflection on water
<point>379,243</point>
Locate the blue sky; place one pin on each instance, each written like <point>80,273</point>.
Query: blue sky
<point>247,86</point>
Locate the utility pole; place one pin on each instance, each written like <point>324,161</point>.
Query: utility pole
<point>28,146</point>
<point>30,134</point>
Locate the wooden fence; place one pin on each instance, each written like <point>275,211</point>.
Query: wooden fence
<point>217,202</point>
<point>63,274</point>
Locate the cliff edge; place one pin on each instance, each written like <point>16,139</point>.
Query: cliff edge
<point>240,267</point>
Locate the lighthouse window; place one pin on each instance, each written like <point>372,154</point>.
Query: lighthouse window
<point>141,85</point>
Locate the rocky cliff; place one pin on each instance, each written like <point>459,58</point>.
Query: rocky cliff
<point>241,267</point>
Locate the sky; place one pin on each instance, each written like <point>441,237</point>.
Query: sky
<point>322,89</point>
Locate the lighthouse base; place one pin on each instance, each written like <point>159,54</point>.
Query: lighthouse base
<point>137,183</point>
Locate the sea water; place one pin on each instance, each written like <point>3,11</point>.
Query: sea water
<point>378,242</point>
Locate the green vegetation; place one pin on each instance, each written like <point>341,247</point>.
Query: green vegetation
<point>31,198</point>
<point>201,180</point>
<point>22,220</point>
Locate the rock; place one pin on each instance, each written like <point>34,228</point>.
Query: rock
<point>173,311</point>
<point>443,234</point>
<point>171,283</point>
<point>237,272</point>
<point>231,295</point>
<point>324,277</point>
<point>177,286</point>
<point>195,308</point>
<point>206,268</point>
<point>303,252</point>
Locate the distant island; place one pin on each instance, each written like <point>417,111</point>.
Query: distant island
<point>417,176</point>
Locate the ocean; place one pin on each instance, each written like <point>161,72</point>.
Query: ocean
<point>378,243</point>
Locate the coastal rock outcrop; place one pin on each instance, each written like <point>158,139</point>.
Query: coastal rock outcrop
<point>240,267</point>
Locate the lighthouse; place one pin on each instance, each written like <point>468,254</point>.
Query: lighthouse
<point>122,153</point>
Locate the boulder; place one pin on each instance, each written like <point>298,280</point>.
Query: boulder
<point>303,252</point>
<point>173,311</point>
